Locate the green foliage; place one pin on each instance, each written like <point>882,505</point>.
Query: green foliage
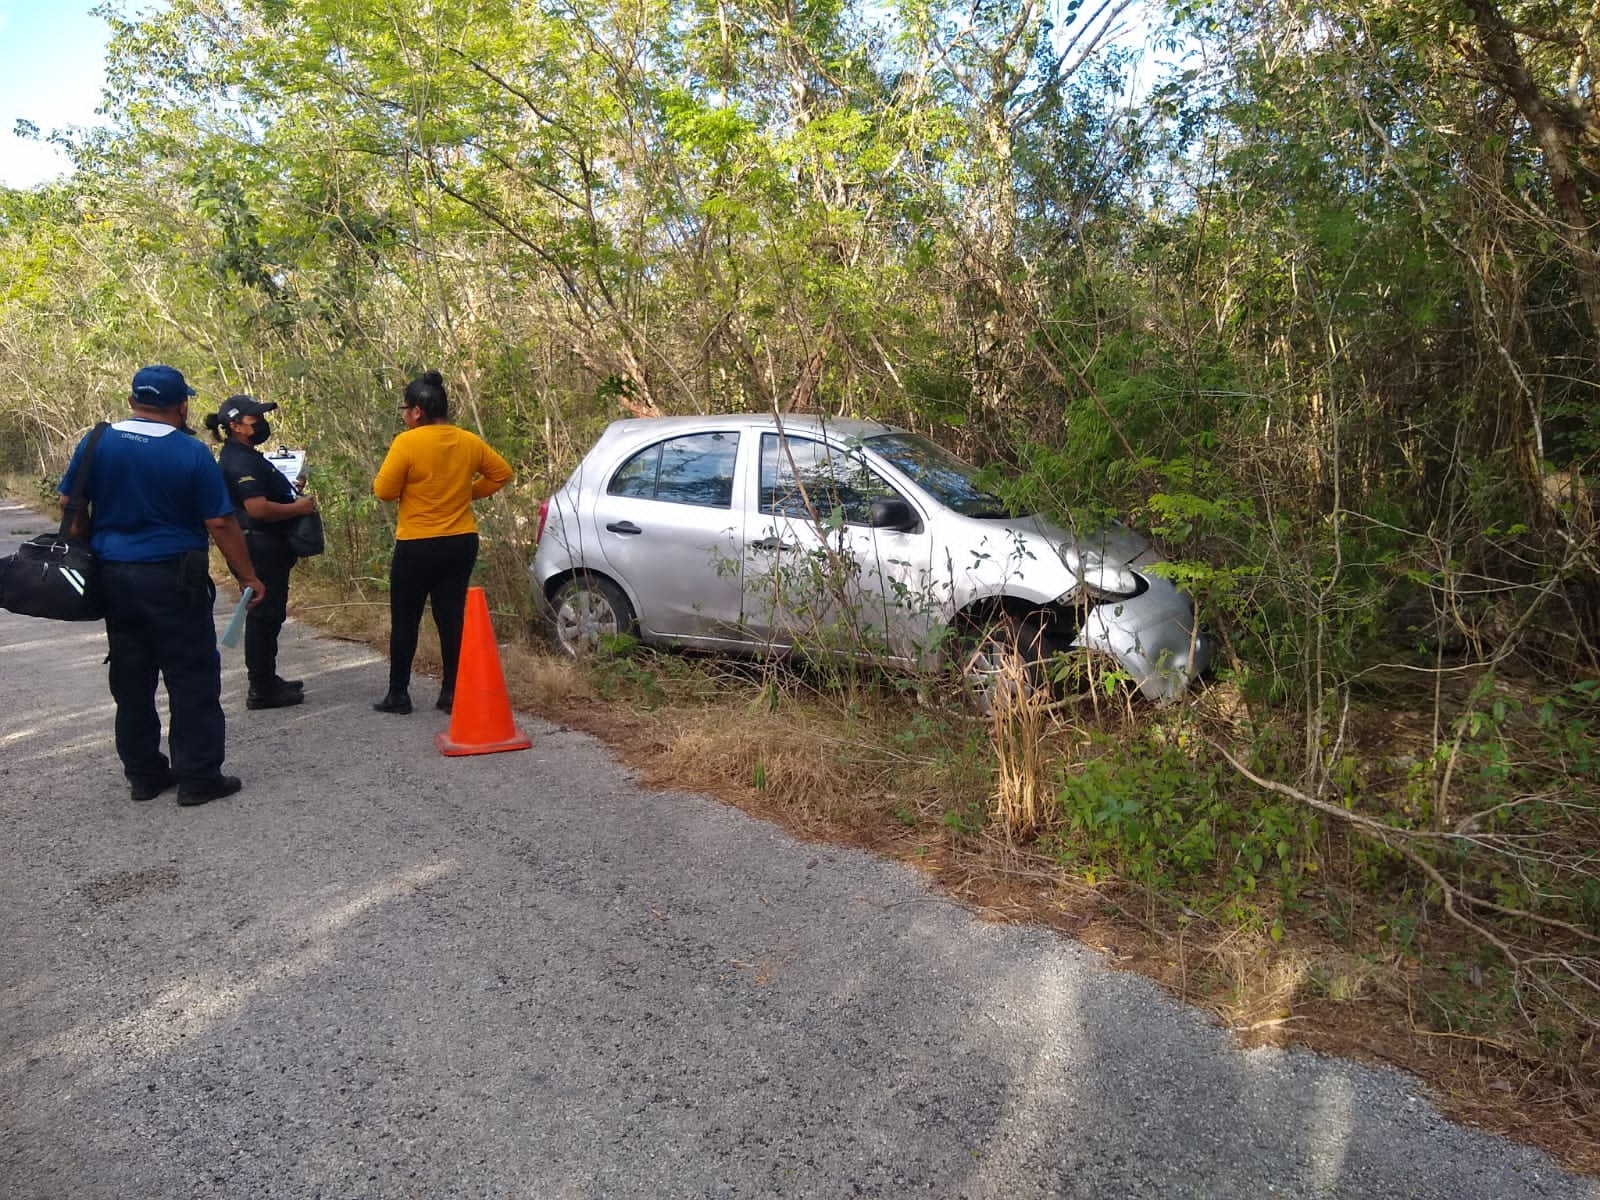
<point>1523,771</point>
<point>623,670</point>
<point>1148,811</point>
<point>965,818</point>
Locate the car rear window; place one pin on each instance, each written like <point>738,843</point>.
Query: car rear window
<point>694,469</point>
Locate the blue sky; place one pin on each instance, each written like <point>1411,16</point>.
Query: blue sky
<point>52,62</point>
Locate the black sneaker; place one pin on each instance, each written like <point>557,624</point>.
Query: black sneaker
<point>148,789</point>
<point>273,697</point>
<point>446,701</point>
<point>205,793</point>
<point>395,702</point>
<point>281,683</point>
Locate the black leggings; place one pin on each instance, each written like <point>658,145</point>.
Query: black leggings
<point>428,571</point>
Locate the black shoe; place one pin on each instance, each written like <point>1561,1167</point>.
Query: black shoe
<point>394,702</point>
<point>446,701</point>
<point>149,789</point>
<point>273,697</point>
<point>205,793</point>
<point>297,685</point>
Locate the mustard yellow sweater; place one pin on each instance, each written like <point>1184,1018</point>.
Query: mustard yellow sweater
<point>436,472</point>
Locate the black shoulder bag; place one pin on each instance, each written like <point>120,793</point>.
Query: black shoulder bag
<point>304,534</point>
<point>53,575</point>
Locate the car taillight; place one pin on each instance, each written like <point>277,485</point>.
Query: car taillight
<point>544,513</point>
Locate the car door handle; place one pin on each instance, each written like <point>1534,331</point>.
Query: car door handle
<point>623,527</point>
<point>772,543</point>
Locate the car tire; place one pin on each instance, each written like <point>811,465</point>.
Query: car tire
<point>585,611</point>
<point>1003,661</point>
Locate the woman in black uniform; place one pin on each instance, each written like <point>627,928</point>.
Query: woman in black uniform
<point>263,499</point>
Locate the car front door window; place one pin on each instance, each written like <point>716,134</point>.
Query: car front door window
<point>816,574</point>
<point>807,480</point>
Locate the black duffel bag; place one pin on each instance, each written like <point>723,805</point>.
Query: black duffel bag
<point>53,575</point>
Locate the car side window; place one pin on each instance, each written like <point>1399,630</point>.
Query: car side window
<point>795,470</point>
<point>695,469</point>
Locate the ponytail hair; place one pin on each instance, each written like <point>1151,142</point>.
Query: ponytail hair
<point>427,392</point>
<point>218,427</point>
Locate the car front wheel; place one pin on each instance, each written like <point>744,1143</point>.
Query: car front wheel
<point>1002,662</point>
<point>587,611</point>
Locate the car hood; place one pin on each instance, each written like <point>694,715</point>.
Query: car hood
<point>1113,543</point>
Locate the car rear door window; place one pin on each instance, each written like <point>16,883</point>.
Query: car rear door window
<point>695,469</point>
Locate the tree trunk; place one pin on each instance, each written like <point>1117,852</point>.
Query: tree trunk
<point>1570,191</point>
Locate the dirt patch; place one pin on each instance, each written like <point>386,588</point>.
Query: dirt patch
<point>105,890</point>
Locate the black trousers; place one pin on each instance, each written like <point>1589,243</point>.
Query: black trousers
<point>159,627</point>
<point>429,572</point>
<point>273,561</point>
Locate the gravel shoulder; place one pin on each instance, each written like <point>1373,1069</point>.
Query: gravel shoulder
<point>381,972</point>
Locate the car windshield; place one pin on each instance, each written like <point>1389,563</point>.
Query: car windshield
<point>938,472</point>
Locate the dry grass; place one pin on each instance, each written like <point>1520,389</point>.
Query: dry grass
<point>784,766</point>
<point>1018,724</point>
<point>542,682</point>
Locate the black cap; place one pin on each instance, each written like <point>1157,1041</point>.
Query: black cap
<point>236,408</point>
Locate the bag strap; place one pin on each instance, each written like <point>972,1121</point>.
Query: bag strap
<point>80,482</point>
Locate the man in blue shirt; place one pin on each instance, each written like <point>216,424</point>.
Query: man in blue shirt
<point>155,493</point>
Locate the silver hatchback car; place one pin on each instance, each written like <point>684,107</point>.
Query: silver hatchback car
<point>759,534</point>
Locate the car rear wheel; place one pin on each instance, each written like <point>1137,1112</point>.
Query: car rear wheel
<point>587,611</point>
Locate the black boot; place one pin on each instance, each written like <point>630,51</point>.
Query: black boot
<point>273,695</point>
<point>192,794</point>
<point>395,702</point>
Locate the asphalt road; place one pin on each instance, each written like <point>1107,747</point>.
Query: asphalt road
<point>378,972</point>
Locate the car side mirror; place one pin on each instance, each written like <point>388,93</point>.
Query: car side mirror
<point>893,514</point>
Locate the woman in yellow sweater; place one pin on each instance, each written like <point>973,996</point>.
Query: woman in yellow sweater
<point>436,470</point>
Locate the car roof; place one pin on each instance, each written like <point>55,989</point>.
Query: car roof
<point>641,430</point>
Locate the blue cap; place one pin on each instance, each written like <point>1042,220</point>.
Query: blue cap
<point>160,387</point>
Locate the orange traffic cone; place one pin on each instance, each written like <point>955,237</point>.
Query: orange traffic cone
<point>480,722</point>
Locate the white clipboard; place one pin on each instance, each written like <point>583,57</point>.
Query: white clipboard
<point>291,464</point>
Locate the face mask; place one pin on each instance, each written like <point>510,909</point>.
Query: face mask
<point>262,431</point>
